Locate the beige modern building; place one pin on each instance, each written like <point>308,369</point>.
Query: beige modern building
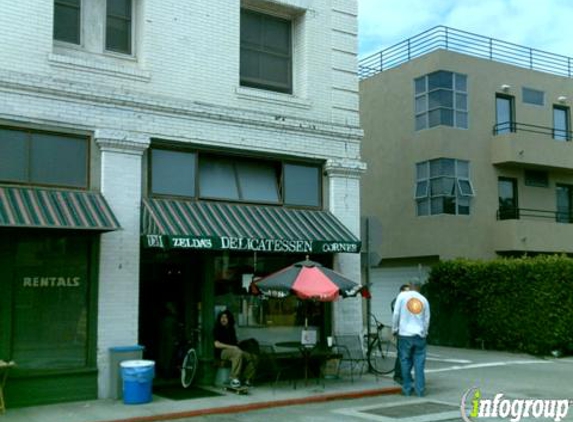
<point>467,142</point>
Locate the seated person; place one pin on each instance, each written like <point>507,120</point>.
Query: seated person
<point>243,364</point>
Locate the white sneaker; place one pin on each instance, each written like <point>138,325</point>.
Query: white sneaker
<point>235,383</point>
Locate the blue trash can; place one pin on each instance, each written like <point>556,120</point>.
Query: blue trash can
<point>137,380</point>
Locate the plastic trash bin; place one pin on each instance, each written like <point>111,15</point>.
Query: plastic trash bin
<point>117,355</point>
<point>137,378</point>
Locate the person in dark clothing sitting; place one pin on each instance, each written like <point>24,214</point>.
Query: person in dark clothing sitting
<point>243,364</point>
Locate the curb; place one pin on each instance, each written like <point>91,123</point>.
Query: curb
<point>263,405</point>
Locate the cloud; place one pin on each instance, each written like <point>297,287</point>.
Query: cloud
<point>541,24</point>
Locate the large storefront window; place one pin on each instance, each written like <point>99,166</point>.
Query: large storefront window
<point>50,302</point>
<point>233,275</point>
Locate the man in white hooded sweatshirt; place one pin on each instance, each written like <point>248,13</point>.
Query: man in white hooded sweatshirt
<point>410,322</point>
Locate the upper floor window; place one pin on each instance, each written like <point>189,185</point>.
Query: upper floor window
<point>561,129</point>
<point>266,52</point>
<point>504,114</point>
<point>118,26</point>
<point>80,21</point>
<point>533,96</point>
<point>43,158</point>
<point>443,186</point>
<point>67,20</point>
<point>441,98</point>
<point>208,176</point>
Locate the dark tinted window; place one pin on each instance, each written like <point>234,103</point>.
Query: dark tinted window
<point>43,158</point>
<point>118,26</point>
<point>301,185</point>
<point>172,173</point>
<point>265,52</point>
<point>67,17</point>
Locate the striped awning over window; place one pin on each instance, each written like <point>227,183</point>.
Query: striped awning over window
<point>219,226</point>
<point>57,209</point>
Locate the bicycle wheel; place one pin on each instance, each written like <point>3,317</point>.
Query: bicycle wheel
<point>382,355</point>
<point>189,368</point>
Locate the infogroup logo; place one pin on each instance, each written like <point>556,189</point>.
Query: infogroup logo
<point>474,407</point>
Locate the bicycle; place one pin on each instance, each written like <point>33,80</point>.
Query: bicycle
<point>190,360</point>
<point>382,352</point>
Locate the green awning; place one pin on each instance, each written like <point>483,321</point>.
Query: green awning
<point>55,208</point>
<point>219,226</point>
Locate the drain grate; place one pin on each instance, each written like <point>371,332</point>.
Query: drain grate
<point>413,410</point>
<point>409,410</point>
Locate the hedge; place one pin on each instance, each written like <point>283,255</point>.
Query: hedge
<point>517,304</point>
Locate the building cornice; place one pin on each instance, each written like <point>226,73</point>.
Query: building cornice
<point>345,168</point>
<point>121,141</point>
<point>97,94</point>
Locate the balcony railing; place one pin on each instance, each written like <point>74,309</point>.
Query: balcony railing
<point>442,37</point>
<point>558,134</point>
<point>511,213</point>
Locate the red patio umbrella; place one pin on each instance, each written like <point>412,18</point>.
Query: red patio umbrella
<point>308,280</point>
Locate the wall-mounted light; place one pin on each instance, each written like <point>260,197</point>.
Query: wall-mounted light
<point>562,99</point>
<point>505,87</point>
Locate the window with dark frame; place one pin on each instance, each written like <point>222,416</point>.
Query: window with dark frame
<point>441,98</point>
<point>443,186</point>
<point>533,96</point>
<point>561,126</point>
<point>536,178</point>
<point>504,114</point>
<point>118,26</point>
<point>210,176</point>
<point>266,52</point>
<point>564,198</point>
<point>67,21</point>
<point>43,158</point>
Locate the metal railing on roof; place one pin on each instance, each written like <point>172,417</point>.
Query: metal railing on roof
<point>442,37</point>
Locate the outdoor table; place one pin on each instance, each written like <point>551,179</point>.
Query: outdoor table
<point>305,351</point>
<point>4,368</point>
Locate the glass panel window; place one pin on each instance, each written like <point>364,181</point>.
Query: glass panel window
<point>58,160</point>
<point>266,52</point>
<point>537,178</point>
<point>446,184</point>
<point>533,96</point>
<point>504,120</point>
<point>441,100</point>
<point>561,130</point>
<point>43,158</point>
<point>258,182</point>
<point>50,302</point>
<point>118,26</point>
<point>217,178</point>
<point>67,20</point>
<point>507,191</point>
<point>173,172</point>
<point>13,155</point>
<point>301,185</point>
<point>564,204</point>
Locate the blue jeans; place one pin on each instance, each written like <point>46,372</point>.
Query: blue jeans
<point>412,352</point>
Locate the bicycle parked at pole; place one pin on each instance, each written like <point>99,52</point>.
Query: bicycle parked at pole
<point>187,358</point>
<point>381,348</point>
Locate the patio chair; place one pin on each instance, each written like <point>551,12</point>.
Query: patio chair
<point>272,366</point>
<point>351,348</point>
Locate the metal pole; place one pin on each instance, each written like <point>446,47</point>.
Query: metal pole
<point>367,272</point>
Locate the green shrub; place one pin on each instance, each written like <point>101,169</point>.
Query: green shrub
<point>519,304</point>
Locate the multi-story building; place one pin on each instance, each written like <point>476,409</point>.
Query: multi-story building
<point>159,155</point>
<point>467,142</point>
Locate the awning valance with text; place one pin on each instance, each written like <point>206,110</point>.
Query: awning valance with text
<point>28,207</point>
<point>181,224</point>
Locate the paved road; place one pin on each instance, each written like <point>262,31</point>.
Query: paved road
<point>450,373</point>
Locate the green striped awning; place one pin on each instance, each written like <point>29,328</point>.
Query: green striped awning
<point>219,226</point>
<point>58,209</point>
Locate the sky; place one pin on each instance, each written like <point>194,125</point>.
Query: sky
<point>541,24</point>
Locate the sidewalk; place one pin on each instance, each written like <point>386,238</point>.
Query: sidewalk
<point>162,409</point>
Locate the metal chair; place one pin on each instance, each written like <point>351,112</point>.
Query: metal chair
<point>351,348</point>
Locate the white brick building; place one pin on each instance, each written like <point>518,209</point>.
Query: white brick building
<point>267,83</point>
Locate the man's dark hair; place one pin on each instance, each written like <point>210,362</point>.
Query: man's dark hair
<point>404,287</point>
<point>230,318</point>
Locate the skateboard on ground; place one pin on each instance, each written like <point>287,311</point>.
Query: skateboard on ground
<point>237,390</point>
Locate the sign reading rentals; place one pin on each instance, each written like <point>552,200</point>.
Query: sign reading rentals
<point>249,244</point>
